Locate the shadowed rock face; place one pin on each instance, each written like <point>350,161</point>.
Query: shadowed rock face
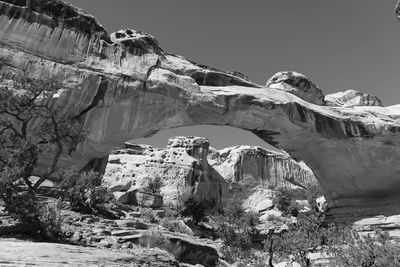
<point>126,93</point>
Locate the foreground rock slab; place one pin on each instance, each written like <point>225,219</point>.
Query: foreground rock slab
<point>22,253</point>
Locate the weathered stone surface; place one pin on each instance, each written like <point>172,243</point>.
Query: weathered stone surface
<point>243,173</point>
<point>354,153</point>
<point>297,84</point>
<point>352,98</point>
<point>149,200</point>
<point>182,167</point>
<point>253,173</point>
<point>23,253</point>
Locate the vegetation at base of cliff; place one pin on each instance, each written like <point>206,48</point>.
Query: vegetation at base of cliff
<point>25,101</point>
<point>153,185</point>
<point>194,209</point>
<point>284,201</point>
<point>83,190</point>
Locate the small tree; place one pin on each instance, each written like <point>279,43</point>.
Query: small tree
<point>348,248</point>
<point>82,189</point>
<point>195,209</point>
<point>153,185</point>
<point>283,200</point>
<point>300,239</point>
<point>25,102</point>
<point>28,101</point>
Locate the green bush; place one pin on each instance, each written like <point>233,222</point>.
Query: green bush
<point>234,209</point>
<point>21,205</point>
<point>348,248</point>
<point>147,215</point>
<point>235,236</point>
<point>153,185</point>
<point>51,219</point>
<point>83,189</point>
<point>195,209</point>
<point>155,238</point>
<point>301,238</point>
<point>283,200</point>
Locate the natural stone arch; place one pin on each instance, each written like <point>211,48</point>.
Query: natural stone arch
<point>123,94</point>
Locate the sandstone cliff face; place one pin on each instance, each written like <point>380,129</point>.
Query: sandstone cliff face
<point>352,98</point>
<point>131,89</point>
<point>252,174</point>
<point>188,168</point>
<point>182,167</point>
<point>256,165</point>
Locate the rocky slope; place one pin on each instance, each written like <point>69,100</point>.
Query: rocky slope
<point>187,167</point>
<point>124,86</point>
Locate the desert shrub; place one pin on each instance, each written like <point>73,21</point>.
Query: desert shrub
<point>195,209</point>
<point>235,236</point>
<point>153,185</point>
<point>282,200</point>
<point>155,238</point>
<point>21,205</point>
<point>304,236</point>
<point>293,209</point>
<point>348,248</point>
<point>82,189</point>
<point>51,219</point>
<point>234,209</point>
<point>148,215</point>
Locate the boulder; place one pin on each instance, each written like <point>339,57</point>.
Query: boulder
<point>297,84</point>
<point>145,199</point>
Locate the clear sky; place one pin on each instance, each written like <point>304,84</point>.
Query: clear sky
<point>339,44</point>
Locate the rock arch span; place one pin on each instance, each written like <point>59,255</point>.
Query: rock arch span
<point>122,94</point>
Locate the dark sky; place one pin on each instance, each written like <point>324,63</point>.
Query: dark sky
<point>340,44</point>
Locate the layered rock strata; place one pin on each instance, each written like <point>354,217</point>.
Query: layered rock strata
<point>187,168</point>
<point>182,168</point>
<point>131,89</point>
<point>352,98</point>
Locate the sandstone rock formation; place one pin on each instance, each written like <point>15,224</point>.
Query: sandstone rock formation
<point>182,167</point>
<point>188,168</point>
<point>352,98</point>
<point>253,173</point>
<point>297,84</point>
<point>127,91</point>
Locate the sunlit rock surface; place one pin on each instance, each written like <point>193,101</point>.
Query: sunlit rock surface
<point>182,167</point>
<point>187,167</point>
<point>252,174</point>
<point>124,91</point>
<point>297,84</point>
<point>352,98</point>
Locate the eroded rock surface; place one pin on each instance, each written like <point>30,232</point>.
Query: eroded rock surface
<point>352,98</point>
<point>187,167</point>
<point>253,173</point>
<point>23,253</point>
<point>126,93</point>
<point>297,84</point>
<point>182,167</point>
